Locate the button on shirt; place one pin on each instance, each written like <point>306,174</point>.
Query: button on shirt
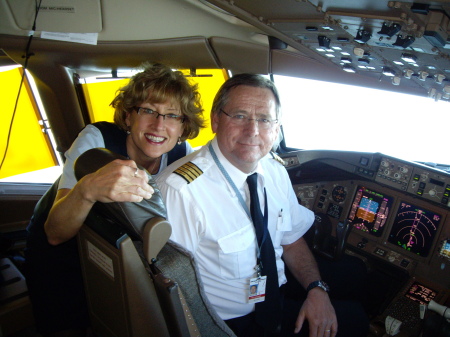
<point>208,220</point>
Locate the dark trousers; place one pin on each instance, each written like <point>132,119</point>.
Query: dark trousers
<point>345,278</point>
<point>55,287</point>
<point>352,321</point>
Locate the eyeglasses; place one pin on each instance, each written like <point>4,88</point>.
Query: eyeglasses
<point>171,119</point>
<point>241,120</point>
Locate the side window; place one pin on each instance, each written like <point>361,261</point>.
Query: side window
<point>209,82</point>
<point>99,94</point>
<point>26,143</point>
<point>26,150</point>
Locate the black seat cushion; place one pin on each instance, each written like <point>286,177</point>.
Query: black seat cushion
<point>132,215</point>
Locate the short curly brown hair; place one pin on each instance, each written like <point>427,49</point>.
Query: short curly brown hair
<point>158,83</point>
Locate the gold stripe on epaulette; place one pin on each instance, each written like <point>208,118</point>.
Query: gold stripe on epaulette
<point>189,172</point>
<point>278,158</point>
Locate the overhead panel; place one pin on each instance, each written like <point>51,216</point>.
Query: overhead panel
<point>403,43</point>
<point>65,16</point>
<point>396,40</point>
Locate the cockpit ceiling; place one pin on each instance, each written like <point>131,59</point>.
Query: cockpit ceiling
<point>389,45</point>
<point>387,40</point>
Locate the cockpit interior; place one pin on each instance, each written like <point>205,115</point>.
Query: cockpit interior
<point>390,212</point>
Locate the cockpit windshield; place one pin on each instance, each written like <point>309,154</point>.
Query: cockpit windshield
<point>330,116</point>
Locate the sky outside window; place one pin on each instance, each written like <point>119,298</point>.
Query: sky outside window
<point>322,115</point>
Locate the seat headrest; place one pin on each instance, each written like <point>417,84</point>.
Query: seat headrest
<point>133,216</point>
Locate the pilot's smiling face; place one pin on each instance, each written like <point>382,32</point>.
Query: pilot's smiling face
<point>245,144</point>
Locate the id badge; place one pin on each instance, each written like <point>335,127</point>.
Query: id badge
<point>257,289</point>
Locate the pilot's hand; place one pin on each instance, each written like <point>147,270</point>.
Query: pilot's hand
<point>319,312</point>
<point>118,181</point>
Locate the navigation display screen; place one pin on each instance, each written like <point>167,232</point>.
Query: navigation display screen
<point>414,229</point>
<point>370,210</point>
<point>420,293</point>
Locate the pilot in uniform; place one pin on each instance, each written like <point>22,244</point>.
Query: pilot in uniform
<point>208,219</point>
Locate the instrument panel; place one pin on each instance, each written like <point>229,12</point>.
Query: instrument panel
<point>417,180</point>
<point>399,210</point>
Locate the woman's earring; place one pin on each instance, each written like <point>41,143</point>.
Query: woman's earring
<point>128,132</point>
<point>179,141</point>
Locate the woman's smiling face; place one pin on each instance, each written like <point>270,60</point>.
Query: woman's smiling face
<point>152,135</point>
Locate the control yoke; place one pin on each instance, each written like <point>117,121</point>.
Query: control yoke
<point>440,309</point>
<point>324,243</point>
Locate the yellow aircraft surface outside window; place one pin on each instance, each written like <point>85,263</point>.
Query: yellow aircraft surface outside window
<point>24,144</point>
<point>100,94</point>
<point>27,148</point>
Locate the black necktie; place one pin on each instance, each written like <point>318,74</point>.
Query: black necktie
<point>268,313</point>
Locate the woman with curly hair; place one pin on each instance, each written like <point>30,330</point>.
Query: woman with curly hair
<point>154,114</point>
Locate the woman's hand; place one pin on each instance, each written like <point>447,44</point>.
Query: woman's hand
<point>118,181</point>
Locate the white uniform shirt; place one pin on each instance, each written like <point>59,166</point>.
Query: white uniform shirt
<point>208,220</point>
<point>91,137</point>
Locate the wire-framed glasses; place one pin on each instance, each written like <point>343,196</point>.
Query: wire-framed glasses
<point>241,120</point>
<point>172,119</point>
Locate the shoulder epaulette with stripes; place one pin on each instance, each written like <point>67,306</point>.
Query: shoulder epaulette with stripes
<point>189,172</point>
<point>278,158</point>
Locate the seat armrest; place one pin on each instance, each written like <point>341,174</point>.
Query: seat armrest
<point>156,233</point>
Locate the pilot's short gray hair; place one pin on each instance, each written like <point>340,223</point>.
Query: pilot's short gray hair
<point>251,80</point>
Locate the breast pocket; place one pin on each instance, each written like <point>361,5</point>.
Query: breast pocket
<point>237,255</point>
<point>284,224</point>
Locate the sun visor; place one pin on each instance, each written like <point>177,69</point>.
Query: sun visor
<point>62,16</point>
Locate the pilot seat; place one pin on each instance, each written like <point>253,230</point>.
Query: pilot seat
<point>138,282</point>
